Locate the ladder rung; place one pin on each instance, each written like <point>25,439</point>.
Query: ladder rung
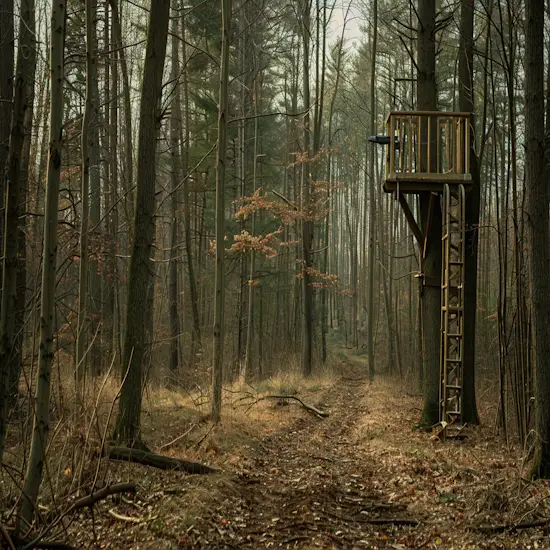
<point>453,387</point>
<point>452,309</point>
<point>454,360</point>
<point>455,262</point>
<point>454,335</point>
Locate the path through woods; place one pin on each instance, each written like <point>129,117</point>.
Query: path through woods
<point>361,478</point>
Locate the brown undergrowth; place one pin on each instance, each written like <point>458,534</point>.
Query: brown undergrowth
<point>360,478</point>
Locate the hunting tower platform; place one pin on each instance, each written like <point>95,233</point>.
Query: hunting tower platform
<point>429,153</point>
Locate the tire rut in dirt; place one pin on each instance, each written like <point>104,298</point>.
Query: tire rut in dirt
<point>310,486</point>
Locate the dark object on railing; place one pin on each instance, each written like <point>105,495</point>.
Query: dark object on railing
<point>383,140</point>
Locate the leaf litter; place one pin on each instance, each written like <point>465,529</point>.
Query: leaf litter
<point>361,478</point>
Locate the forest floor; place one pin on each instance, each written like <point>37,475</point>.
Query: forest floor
<point>362,477</point>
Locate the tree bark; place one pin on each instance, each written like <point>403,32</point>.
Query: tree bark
<point>430,213</point>
<point>16,172</point>
<point>193,292</point>
<point>175,134</point>
<point>466,104</point>
<point>35,466</point>
<point>95,297</point>
<point>307,222</point>
<point>7,53</point>
<point>221,178</point>
<point>371,329</point>
<point>140,273</point>
<point>84,272</point>
<point>537,220</point>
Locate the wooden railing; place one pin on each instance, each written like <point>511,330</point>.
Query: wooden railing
<point>428,146</point>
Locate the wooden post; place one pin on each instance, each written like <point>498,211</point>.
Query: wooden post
<point>428,158</point>
<point>392,144</point>
<point>418,144</point>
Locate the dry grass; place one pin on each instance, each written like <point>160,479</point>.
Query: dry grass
<point>174,422</point>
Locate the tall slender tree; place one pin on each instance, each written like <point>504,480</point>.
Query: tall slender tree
<point>466,104</point>
<point>307,207</point>
<point>7,55</point>
<point>372,207</point>
<point>138,319</point>
<point>430,212</point>
<point>175,154</point>
<point>10,355</point>
<point>221,178</point>
<point>537,221</point>
<point>37,457</point>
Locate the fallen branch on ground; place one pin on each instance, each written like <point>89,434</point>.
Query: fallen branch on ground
<point>374,521</point>
<point>84,502</point>
<point>502,527</point>
<point>113,489</point>
<point>16,542</point>
<point>389,521</point>
<point>130,519</point>
<point>156,461</point>
<point>170,443</point>
<point>6,537</point>
<point>309,408</point>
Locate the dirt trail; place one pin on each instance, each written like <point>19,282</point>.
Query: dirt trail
<point>311,486</point>
<point>360,478</point>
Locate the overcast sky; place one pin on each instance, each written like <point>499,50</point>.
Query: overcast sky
<point>352,34</point>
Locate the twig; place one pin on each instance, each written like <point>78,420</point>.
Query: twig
<point>389,521</point>
<point>309,408</point>
<point>170,443</point>
<point>90,500</point>
<point>130,519</point>
<point>200,441</point>
<point>7,538</point>
<point>502,527</point>
<point>375,521</point>
<point>131,503</point>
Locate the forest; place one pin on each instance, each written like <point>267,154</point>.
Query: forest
<point>275,274</point>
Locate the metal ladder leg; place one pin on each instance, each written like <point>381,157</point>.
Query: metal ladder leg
<point>452,307</point>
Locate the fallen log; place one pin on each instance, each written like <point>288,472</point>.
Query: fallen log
<point>309,408</point>
<point>90,500</point>
<point>156,461</point>
<point>503,527</point>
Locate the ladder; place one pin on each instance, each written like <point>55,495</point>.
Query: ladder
<point>452,307</point>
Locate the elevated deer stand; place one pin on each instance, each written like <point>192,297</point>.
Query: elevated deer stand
<point>430,152</point>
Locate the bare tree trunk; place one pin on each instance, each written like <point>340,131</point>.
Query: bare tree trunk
<point>6,96</point>
<point>307,223</point>
<point>16,174</point>
<point>221,178</point>
<point>175,134</point>
<point>37,457</point>
<point>372,213</point>
<point>140,276</point>
<point>128,178</point>
<point>537,222</point>
<point>112,324</point>
<point>430,212</point>
<point>250,321</point>
<point>84,266</point>
<point>466,104</point>
<point>193,292</point>
<point>95,200</point>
